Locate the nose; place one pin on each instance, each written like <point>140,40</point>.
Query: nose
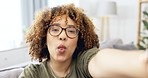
<point>63,36</point>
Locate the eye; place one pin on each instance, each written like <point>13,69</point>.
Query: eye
<point>72,30</point>
<point>55,29</point>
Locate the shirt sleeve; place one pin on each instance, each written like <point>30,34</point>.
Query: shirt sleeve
<point>30,72</point>
<point>84,59</point>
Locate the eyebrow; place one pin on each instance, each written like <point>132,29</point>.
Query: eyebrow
<point>71,26</point>
<point>57,24</point>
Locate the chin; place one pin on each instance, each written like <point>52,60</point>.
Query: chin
<point>61,59</point>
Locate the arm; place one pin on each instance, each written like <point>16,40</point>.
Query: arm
<point>118,63</point>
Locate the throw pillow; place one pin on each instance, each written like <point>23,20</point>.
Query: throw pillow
<point>129,46</point>
<point>109,43</point>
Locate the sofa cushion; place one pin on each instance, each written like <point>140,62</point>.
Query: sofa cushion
<point>129,46</point>
<point>12,73</point>
<point>109,43</point>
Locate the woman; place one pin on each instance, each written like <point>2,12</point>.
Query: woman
<point>63,40</point>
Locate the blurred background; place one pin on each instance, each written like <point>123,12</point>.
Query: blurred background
<point>120,20</point>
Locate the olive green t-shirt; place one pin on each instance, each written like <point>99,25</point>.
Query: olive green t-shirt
<point>79,68</point>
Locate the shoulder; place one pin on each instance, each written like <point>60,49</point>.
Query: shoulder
<point>88,54</point>
<point>33,67</point>
<point>32,71</point>
<point>83,60</point>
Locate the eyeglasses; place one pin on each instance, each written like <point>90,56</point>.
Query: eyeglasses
<point>56,30</point>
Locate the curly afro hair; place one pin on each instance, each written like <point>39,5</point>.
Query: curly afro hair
<point>36,36</point>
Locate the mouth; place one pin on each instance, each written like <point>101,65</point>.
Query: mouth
<point>61,48</point>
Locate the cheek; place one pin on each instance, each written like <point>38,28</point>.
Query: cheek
<point>74,43</point>
<point>49,41</point>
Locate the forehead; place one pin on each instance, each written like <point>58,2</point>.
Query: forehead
<point>63,19</point>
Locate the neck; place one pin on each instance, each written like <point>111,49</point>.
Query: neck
<point>60,69</point>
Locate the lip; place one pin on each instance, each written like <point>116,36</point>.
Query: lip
<point>62,48</point>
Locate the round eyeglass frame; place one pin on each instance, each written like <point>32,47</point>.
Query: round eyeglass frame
<point>77,31</point>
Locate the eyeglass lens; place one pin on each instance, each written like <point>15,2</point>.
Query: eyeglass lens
<point>71,31</point>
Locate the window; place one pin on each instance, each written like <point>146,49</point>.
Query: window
<point>17,15</point>
<point>10,24</point>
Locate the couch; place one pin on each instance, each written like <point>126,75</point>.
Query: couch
<point>117,44</point>
<point>13,71</point>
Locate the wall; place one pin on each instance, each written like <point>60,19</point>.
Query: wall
<point>13,57</point>
<point>124,25</point>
